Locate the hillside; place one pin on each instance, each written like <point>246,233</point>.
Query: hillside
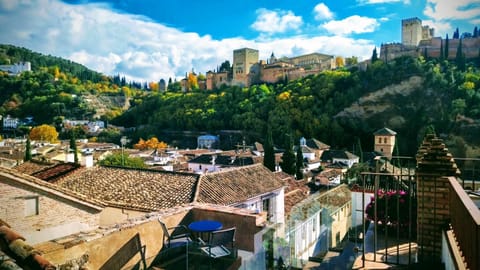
<point>337,107</point>
<point>340,107</point>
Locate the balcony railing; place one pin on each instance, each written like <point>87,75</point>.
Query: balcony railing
<point>465,222</point>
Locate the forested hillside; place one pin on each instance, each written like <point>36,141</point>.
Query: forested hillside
<point>341,108</point>
<point>56,89</point>
<point>405,94</point>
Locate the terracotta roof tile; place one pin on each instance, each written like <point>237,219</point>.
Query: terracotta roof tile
<point>31,167</point>
<point>144,190</point>
<point>237,185</point>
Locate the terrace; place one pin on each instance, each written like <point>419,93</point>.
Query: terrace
<point>113,242</point>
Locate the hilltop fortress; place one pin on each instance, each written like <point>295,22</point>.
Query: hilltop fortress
<point>418,39</point>
<point>247,69</point>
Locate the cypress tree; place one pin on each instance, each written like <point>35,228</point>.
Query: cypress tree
<point>374,55</point>
<point>446,48</point>
<point>288,158</point>
<point>441,56</point>
<point>28,150</point>
<point>73,147</point>
<point>299,164</point>
<point>459,57</point>
<point>269,154</point>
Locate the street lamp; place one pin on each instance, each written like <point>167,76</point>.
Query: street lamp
<point>123,141</point>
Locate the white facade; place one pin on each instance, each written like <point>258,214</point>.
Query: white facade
<point>10,123</point>
<point>16,68</point>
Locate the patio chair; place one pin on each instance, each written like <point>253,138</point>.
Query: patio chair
<point>179,236</point>
<point>221,243</point>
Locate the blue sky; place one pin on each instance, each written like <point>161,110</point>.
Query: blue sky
<point>147,40</point>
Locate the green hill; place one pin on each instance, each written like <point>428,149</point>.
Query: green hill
<point>340,107</point>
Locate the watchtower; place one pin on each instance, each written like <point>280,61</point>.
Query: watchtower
<point>384,141</point>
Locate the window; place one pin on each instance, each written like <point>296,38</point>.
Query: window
<point>31,206</point>
<point>384,140</point>
<point>379,140</point>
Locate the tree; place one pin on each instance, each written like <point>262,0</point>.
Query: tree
<point>442,53</point>
<point>225,67</point>
<point>351,60</point>
<point>299,163</point>
<point>456,34</point>
<point>446,54</point>
<point>269,154</point>
<point>153,86</point>
<point>118,159</point>
<point>192,82</point>
<point>460,57</point>
<point>44,133</point>
<point>28,150</point>
<point>339,61</point>
<point>288,159</point>
<point>475,32</point>
<point>374,55</point>
<point>73,147</point>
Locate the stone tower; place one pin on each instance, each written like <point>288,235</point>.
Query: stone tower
<point>412,31</point>
<point>384,142</point>
<point>243,60</point>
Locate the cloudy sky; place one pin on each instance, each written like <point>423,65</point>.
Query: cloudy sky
<point>147,40</point>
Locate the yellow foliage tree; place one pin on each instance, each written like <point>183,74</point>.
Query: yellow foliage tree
<point>140,145</point>
<point>153,86</point>
<point>152,143</point>
<point>44,133</point>
<point>339,61</point>
<point>192,81</point>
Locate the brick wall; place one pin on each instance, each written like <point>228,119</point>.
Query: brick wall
<point>56,216</point>
<point>434,162</point>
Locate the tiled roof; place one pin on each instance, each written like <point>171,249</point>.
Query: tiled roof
<point>31,167</point>
<point>340,154</point>
<point>16,178</point>
<point>316,144</point>
<point>331,199</point>
<point>16,253</point>
<point>144,190</point>
<point>237,185</point>
<point>385,131</point>
<point>223,160</point>
<point>50,174</point>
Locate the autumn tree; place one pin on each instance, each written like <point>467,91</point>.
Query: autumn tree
<point>44,133</point>
<point>152,143</point>
<point>339,61</point>
<point>192,82</point>
<point>153,86</point>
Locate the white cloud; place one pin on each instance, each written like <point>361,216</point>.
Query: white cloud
<point>270,21</point>
<point>382,1</point>
<point>322,12</point>
<point>441,28</point>
<point>446,9</point>
<point>139,49</point>
<point>351,25</point>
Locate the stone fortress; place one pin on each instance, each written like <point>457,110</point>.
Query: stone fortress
<point>420,40</point>
<point>247,69</point>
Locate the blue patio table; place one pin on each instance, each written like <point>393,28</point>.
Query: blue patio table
<point>205,226</point>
